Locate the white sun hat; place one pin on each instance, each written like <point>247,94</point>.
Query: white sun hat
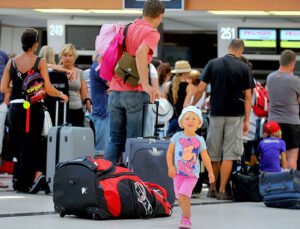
<point>192,109</point>
<point>165,110</point>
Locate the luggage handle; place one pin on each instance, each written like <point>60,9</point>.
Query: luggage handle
<point>283,188</point>
<point>56,113</point>
<point>156,119</point>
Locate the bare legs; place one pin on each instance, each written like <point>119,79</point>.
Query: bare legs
<point>185,205</point>
<point>292,157</point>
<point>224,169</point>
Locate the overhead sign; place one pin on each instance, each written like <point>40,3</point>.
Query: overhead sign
<point>169,4</point>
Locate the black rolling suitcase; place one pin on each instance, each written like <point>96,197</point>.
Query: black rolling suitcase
<point>281,189</point>
<point>146,157</point>
<point>60,81</point>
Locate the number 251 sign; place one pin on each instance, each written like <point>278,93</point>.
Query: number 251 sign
<point>227,33</point>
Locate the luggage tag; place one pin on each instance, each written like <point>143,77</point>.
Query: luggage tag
<point>26,106</point>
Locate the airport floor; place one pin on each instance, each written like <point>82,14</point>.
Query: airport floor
<point>36,212</point>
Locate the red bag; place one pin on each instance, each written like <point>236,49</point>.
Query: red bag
<point>94,188</point>
<point>261,103</point>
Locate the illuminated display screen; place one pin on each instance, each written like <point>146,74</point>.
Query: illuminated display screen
<point>263,38</point>
<point>290,38</point>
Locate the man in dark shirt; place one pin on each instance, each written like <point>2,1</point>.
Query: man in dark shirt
<point>230,105</point>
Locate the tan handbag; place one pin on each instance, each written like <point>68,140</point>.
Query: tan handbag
<point>127,70</point>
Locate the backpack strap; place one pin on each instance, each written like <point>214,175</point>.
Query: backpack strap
<point>36,64</point>
<point>125,34</point>
<point>19,74</point>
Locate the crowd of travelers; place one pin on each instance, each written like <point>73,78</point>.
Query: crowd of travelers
<point>224,90</point>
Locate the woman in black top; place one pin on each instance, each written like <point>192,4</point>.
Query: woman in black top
<point>26,146</point>
<point>179,93</point>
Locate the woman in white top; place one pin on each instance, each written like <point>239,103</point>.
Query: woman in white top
<point>77,86</point>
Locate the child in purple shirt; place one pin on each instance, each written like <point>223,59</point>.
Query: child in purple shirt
<point>270,149</point>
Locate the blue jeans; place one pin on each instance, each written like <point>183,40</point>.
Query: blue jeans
<point>101,134</point>
<point>173,127</point>
<point>125,109</point>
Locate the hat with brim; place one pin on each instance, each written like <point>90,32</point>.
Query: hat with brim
<point>271,127</point>
<point>191,109</point>
<point>182,66</point>
<point>165,110</point>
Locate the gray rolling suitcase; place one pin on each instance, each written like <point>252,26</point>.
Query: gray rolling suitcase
<point>66,143</point>
<point>147,159</point>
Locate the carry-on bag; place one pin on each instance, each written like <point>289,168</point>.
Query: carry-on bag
<point>281,189</point>
<point>146,157</point>
<point>245,184</point>
<point>94,188</point>
<point>66,143</point>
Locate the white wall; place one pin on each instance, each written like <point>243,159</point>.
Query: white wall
<point>10,40</point>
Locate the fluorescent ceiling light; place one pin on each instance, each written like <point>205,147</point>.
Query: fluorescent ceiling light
<point>82,11</point>
<point>220,12</point>
<point>64,11</point>
<point>296,13</point>
<point>116,11</point>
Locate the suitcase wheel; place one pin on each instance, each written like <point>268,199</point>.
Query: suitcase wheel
<point>95,216</point>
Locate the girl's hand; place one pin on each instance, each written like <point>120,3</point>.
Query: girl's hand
<point>211,178</point>
<point>172,172</point>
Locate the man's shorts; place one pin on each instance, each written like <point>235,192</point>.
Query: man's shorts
<point>291,135</point>
<point>225,134</point>
<point>184,185</point>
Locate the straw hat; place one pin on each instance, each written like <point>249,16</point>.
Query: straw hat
<point>182,66</point>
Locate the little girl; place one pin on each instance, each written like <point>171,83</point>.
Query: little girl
<point>183,160</point>
<point>270,149</point>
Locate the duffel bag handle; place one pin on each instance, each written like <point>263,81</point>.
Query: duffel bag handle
<point>282,188</point>
<point>83,161</point>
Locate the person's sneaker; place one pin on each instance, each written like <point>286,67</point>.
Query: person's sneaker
<point>223,196</point>
<point>185,223</point>
<point>211,193</point>
<point>38,185</point>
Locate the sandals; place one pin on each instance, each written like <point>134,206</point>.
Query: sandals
<point>38,185</point>
<point>211,193</point>
<point>223,196</point>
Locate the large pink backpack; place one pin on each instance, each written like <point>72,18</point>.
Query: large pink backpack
<point>108,45</point>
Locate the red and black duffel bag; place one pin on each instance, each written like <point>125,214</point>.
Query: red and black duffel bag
<point>94,188</point>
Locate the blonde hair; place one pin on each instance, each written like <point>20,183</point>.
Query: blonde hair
<point>190,112</point>
<point>68,48</point>
<point>48,53</point>
<point>194,75</point>
<point>274,135</point>
<point>175,87</point>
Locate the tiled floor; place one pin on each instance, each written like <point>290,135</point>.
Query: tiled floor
<point>36,212</point>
